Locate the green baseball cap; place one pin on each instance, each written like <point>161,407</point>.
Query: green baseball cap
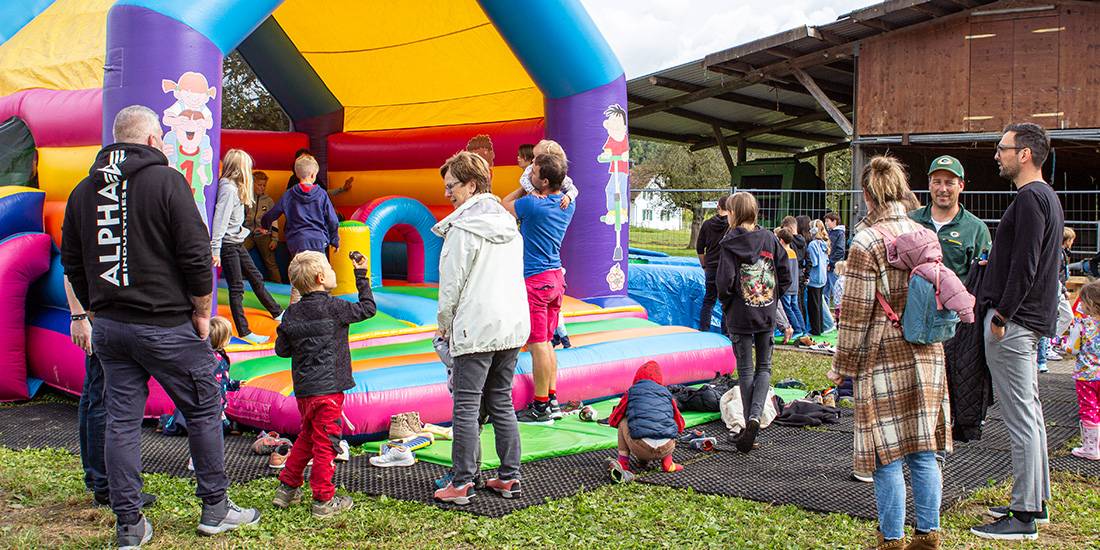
<point>949,163</point>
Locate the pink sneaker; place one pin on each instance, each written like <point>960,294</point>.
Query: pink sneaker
<point>460,496</point>
<point>506,489</point>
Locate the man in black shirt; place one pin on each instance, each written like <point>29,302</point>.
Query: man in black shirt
<point>706,245</point>
<point>1020,290</point>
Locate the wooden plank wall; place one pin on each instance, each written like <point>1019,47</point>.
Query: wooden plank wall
<point>978,73</point>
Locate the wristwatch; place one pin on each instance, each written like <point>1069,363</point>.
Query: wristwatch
<point>80,316</point>
<point>998,321</point>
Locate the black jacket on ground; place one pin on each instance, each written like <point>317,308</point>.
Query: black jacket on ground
<point>1021,280</point>
<point>132,243</point>
<point>314,334</point>
<point>969,385</point>
<point>753,273</point>
<point>708,240</point>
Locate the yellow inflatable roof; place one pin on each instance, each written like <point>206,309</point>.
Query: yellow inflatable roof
<point>390,64</point>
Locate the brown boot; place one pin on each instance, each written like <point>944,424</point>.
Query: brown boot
<point>889,544</point>
<point>927,541</point>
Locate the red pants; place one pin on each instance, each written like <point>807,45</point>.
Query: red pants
<point>319,440</point>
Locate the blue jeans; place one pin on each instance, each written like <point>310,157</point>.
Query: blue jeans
<point>1044,347</point>
<point>92,419</point>
<point>830,282</point>
<point>794,315</point>
<point>890,494</point>
<point>827,318</point>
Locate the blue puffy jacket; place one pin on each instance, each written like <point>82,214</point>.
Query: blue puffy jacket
<point>649,411</point>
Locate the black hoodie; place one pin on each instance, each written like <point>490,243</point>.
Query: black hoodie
<point>133,244</point>
<point>710,235</point>
<point>753,272</point>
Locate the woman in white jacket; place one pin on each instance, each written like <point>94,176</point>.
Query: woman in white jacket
<point>483,313</point>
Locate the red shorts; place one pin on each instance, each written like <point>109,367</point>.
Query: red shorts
<point>544,295</point>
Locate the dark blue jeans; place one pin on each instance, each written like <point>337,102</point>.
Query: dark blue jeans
<point>92,418</point>
<point>710,297</point>
<point>182,364</point>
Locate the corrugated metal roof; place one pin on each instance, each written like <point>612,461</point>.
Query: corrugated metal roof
<point>674,106</point>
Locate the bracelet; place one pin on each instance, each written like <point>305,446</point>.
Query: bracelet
<point>80,316</point>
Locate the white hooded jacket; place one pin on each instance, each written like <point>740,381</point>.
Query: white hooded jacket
<point>482,294</point>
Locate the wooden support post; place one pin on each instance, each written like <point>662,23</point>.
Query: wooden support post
<point>821,166</point>
<point>721,139</point>
<point>823,100</point>
<point>742,152</point>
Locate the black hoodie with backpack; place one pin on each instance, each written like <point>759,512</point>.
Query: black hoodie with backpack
<point>133,244</point>
<point>753,273</point>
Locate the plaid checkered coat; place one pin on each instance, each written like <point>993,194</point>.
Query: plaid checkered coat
<point>901,404</point>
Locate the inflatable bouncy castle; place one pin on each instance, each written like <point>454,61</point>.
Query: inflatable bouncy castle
<point>381,93</point>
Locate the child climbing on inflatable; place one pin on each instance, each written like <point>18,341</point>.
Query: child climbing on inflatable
<point>549,147</point>
<point>314,334</point>
<point>648,422</point>
<point>1084,342</point>
<point>235,193</point>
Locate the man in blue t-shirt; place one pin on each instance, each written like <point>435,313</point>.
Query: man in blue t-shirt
<point>542,222</point>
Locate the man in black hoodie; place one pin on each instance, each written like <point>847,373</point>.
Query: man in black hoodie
<point>137,254</point>
<point>706,245</point>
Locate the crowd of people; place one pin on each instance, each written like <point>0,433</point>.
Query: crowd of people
<point>138,258</point>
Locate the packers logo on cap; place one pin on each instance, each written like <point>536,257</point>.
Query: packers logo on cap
<point>944,160</point>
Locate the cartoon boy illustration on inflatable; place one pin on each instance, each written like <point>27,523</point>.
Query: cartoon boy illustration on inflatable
<point>616,153</point>
<point>188,150</point>
<point>186,144</point>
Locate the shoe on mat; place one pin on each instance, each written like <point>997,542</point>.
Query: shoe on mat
<point>1053,356</point>
<point>286,495</point>
<point>332,506</point>
<point>556,412</point>
<point>456,495</point>
<point>445,479</point>
<point>133,536</point>
<point>618,473</point>
<point>748,435</point>
<point>225,516</point>
<point>862,477</point>
<point>277,460</point>
<point>253,338</point>
<point>345,452</point>
<point>1007,528</point>
<point>398,455</point>
<point>104,499</point>
<point>506,489</point>
<point>533,414</point>
<point>267,442</point>
<point>1043,368</point>
<point>998,512</point>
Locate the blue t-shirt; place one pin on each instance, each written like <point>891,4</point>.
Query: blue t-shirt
<point>542,222</point>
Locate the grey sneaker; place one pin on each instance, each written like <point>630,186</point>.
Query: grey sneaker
<point>998,512</point>
<point>333,506</point>
<point>1007,528</point>
<point>286,495</point>
<point>225,516</point>
<point>133,536</point>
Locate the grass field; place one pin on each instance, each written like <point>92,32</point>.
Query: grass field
<point>671,242</point>
<point>43,505</point>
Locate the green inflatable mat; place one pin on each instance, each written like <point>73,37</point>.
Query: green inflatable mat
<point>565,437</point>
<point>381,321</point>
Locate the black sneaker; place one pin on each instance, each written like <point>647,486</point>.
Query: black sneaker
<point>998,512</point>
<point>534,414</point>
<point>133,536</point>
<point>1007,528</point>
<point>748,435</point>
<point>565,344</point>
<point>104,499</point>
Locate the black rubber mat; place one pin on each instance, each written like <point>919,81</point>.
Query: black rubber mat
<point>1074,465</point>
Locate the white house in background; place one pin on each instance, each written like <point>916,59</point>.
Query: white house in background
<point>648,210</point>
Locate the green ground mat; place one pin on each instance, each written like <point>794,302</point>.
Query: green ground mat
<point>829,337</point>
<point>429,292</point>
<point>565,437</point>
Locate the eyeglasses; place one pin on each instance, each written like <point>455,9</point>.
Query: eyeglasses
<point>1002,148</point>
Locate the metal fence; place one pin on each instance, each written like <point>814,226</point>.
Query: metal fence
<point>654,230</point>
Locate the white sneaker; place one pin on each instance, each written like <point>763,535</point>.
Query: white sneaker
<point>254,338</point>
<point>190,465</point>
<point>399,455</point>
<point>279,319</point>
<point>345,452</point>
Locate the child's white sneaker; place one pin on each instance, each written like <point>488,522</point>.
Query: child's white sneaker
<point>254,338</point>
<point>345,452</point>
<point>398,455</point>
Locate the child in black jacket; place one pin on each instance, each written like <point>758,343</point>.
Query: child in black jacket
<point>314,334</point>
<point>753,272</point>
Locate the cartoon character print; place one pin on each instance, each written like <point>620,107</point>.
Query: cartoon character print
<point>615,152</point>
<point>186,143</point>
<point>757,281</point>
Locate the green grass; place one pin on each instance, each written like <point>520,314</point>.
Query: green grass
<point>671,242</point>
<point>43,505</point>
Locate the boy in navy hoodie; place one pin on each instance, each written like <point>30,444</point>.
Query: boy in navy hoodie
<point>648,422</point>
<point>311,222</point>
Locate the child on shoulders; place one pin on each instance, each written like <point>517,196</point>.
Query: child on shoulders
<point>314,334</point>
<point>549,147</point>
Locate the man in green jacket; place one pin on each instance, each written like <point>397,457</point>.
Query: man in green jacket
<point>963,237</point>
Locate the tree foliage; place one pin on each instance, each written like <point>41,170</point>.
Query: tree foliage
<point>246,103</point>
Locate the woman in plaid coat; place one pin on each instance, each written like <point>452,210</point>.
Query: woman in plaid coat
<point>901,407</point>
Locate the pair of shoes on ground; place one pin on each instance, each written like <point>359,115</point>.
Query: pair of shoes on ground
<point>534,414</point>
<point>394,455</point>
<point>277,459</point>
<point>216,518</point>
<point>1009,527</point>
<point>746,441</point>
<point>463,494</point>
<point>921,541</point>
<point>287,496</point>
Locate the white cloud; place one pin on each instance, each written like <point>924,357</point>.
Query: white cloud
<point>650,35</point>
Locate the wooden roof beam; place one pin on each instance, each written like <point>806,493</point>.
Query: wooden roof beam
<point>824,101</point>
<point>823,150</point>
<point>690,139</point>
<point>762,130</point>
<point>830,37</point>
<point>876,24</point>
<point>742,99</point>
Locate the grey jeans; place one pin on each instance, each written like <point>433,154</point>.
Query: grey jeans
<point>490,373</point>
<point>184,365</point>
<point>753,378</point>
<point>1011,363</point>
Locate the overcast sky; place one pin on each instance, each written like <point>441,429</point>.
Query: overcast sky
<point>649,35</point>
